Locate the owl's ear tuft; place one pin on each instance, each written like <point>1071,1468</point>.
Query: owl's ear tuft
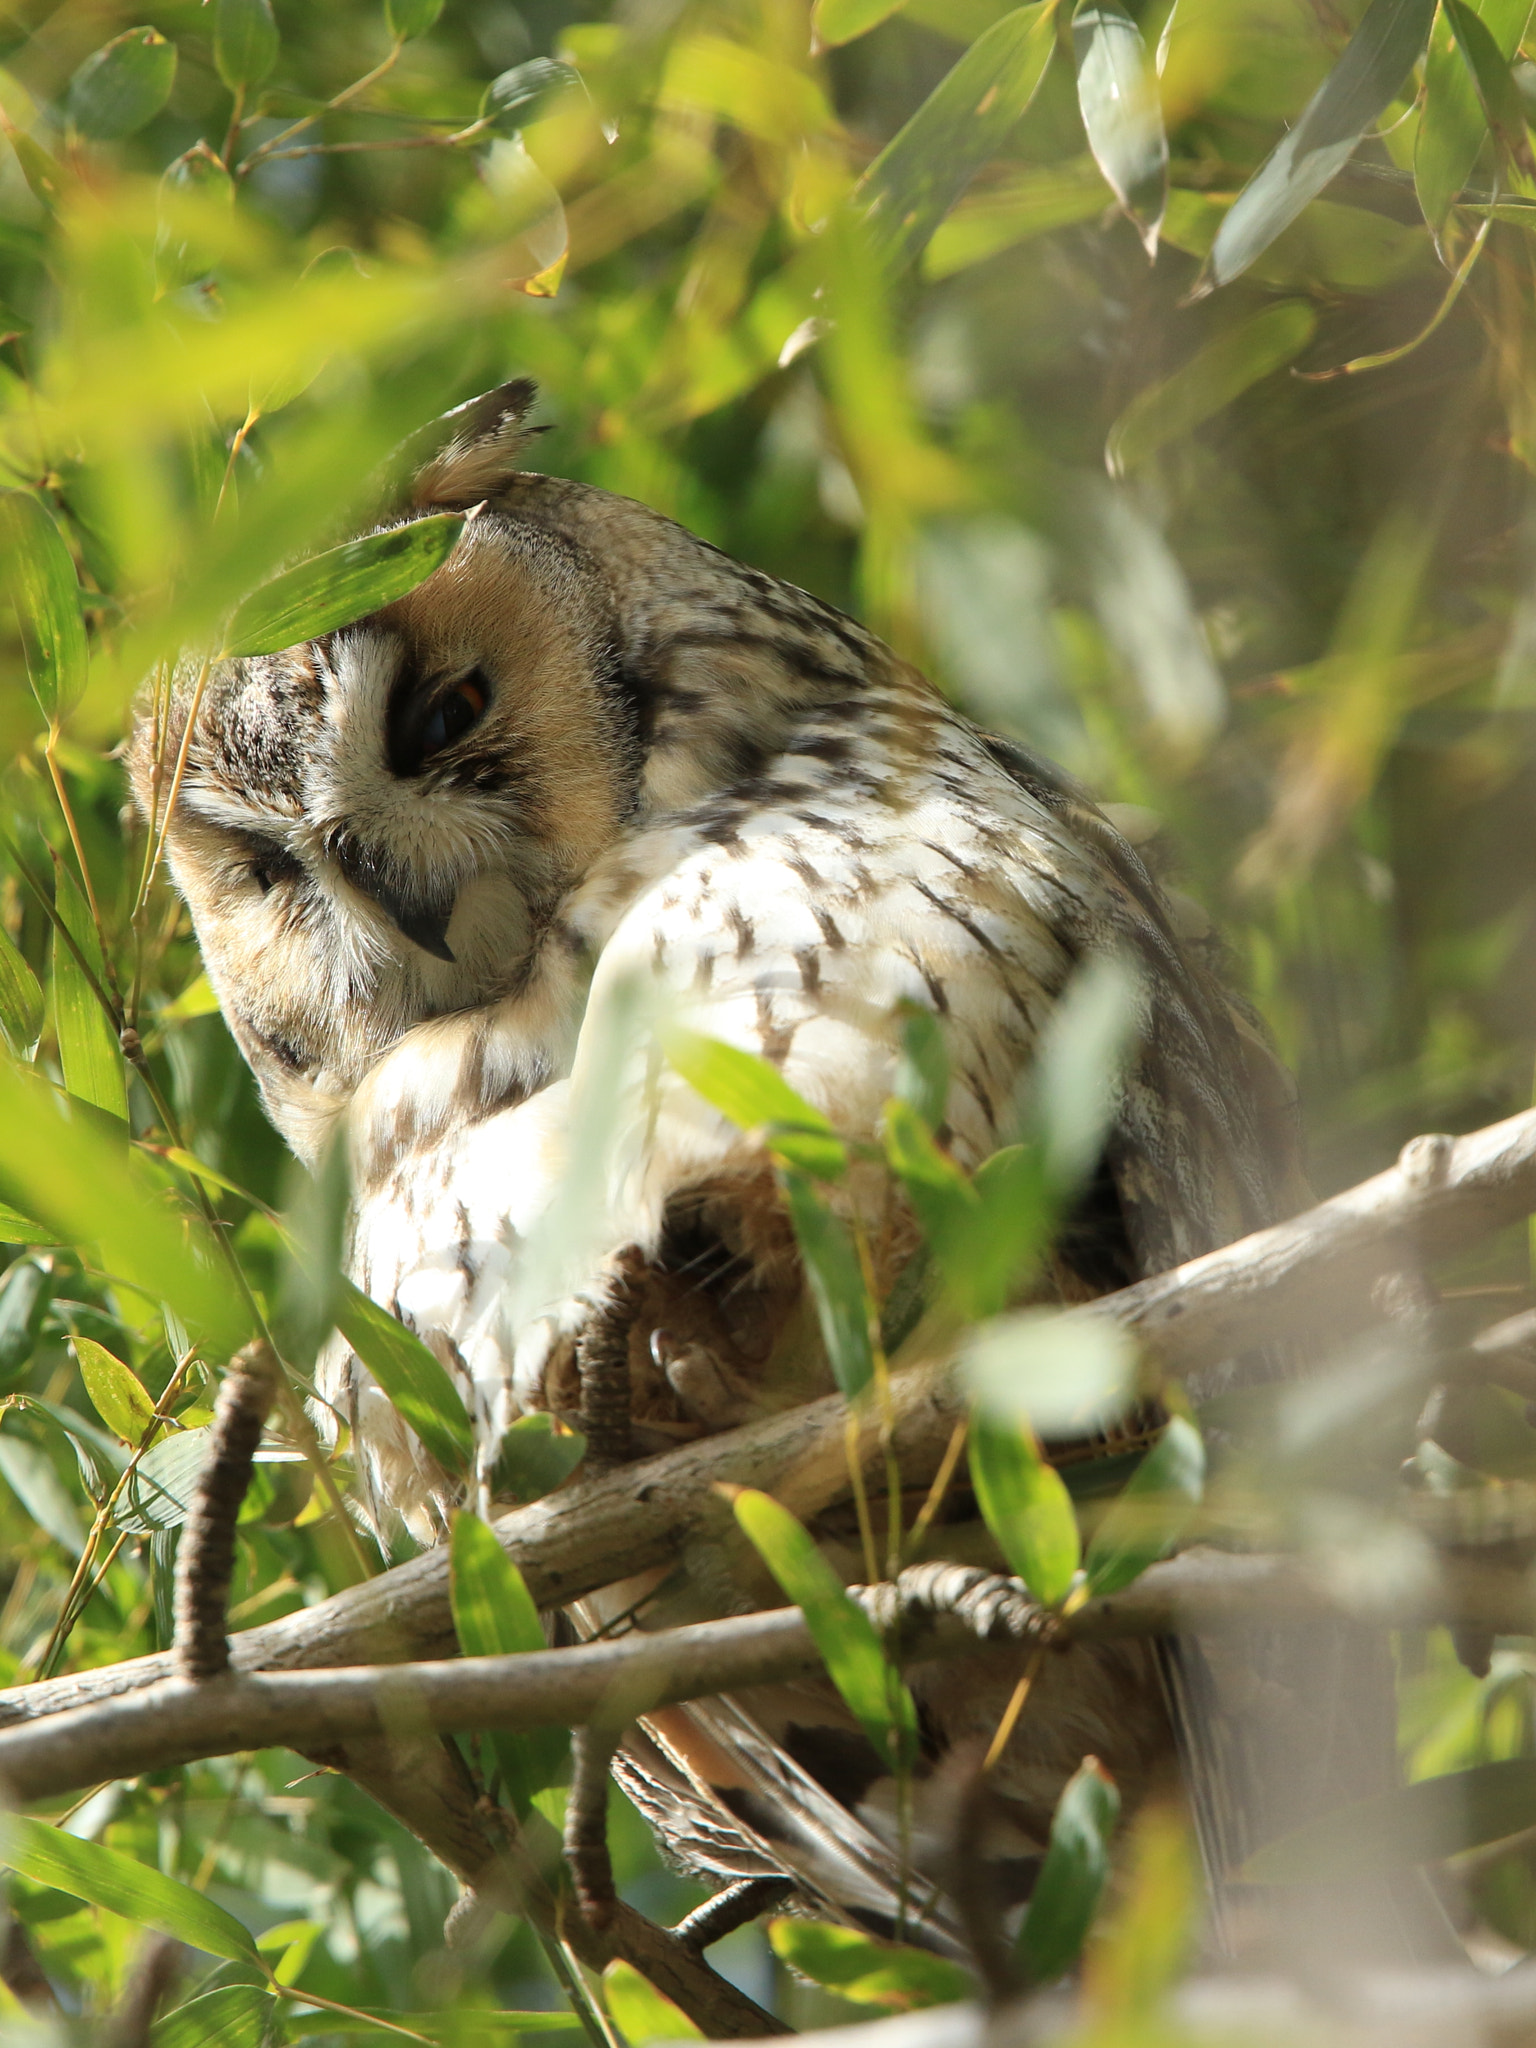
<point>472,450</point>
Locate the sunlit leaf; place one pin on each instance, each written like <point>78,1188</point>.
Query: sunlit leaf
<point>754,1094</point>
<point>1020,206</point>
<point>25,1294</point>
<point>163,1485</point>
<point>494,1616</point>
<point>408,19</point>
<point>1026,1506</point>
<point>1076,1079</point>
<point>1072,1878</point>
<point>233,2016</point>
<point>1496,88</point>
<point>961,125</point>
<point>105,1877</point>
<point>1356,91</point>
<point>28,1472</point>
<point>1452,126</point>
<point>416,1384</point>
<point>922,1071</point>
<point>1149,1516</point>
<point>1067,1375</point>
<point>245,42</point>
<point>869,1972</point>
<point>841,21</point>
<point>88,1047</point>
<point>117,1393</point>
<point>21,999</point>
<point>535,1457</point>
<point>342,586</point>
<point>39,582</point>
<point>849,1643</point>
<point>640,2011</point>
<point>836,1280</point>
<point>1117,95</point>
<point>122,86</point>
<point>522,95</point>
<point>1209,381</point>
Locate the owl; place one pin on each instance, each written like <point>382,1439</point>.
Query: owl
<point>447,868</point>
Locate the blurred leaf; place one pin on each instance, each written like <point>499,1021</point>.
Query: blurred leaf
<point>245,42</point>
<point>408,19</point>
<point>1496,89</point>
<point>840,21</point>
<point>523,95</point>
<point>1420,1823</point>
<point>88,1049</point>
<point>1026,1506</point>
<point>756,1096</point>
<point>640,2011</point>
<point>759,93</point>
<point>1210,380</point>
<point>944,1201</point>
<point>494,1616</point>
<point>197,999</point>
<point>106,1877</point>
<point>1076,1080</point>
<point>836,1280</point>
<point>29,1473</point>
<point>476,2028</point>
<point>1019,206</point>
<point>233,2016</point>
<point>122,86</point>
<point>21,1000</point>
<point>41,584</point>
<point>1151,1513</point>
<point>922,1071</point>
<point>1117,95</point>
<point>418,1387</point>
<point>1067,1375</point>
<point>1452,127</point>
<point>1132,1964</point>
<point>342,586</point>
<point>848,1640</point>
<point>1356,91</point>
<point>868,1972</point>
<point>163,1485</point>
<point>1071,1881</point>
<point>961,125</point>
<point>117,1394</point>
<point>25,1293</point>
<point>535,1457</point>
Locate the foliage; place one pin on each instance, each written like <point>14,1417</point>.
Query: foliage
<point>880,319</point>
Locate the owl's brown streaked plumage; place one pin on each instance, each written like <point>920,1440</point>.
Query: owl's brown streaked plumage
<point>591,765</point>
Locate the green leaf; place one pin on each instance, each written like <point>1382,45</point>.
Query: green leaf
<point>21,999</point>
<point>1025,1504</point>
<point>342,586</point>
<point>245,43</point>
<point>756,1096</point>
<point>1210,380</point>
<point>163,1485</point>
<point>869,1972</point>
<point>28,1471</point>
<point>1020,206</point>
<point>419,1388</point>
<point>494,1616</point>
<point>841,21</point>
<point>1147,1519</point>
<point>122,86</point>
<point>1117,95</point>
<point>1076,1077</point>
<point>1071,1880</point>
<point>517,97</point>
<point>1420,1823</point>
<point>474,2029</point>
<point>1452,126</point>
<point>117,1394</point>
<point>408,19</point>
<point>25,1294</point>
<point>961,125</point>
<point>105,1877</point>
<point>1067,1375</point>
<point>88,1049</point>
<point>535,1457</point>
<point>848,1640</point>
<point>41,586</point>
<point>837,1284</point>
<point>922,1071</point>
<point>1356,91</point>
<point>1018,1210</point>
<point>640,2011</point>
<point>234,2016</point>
<point>1496,88</point>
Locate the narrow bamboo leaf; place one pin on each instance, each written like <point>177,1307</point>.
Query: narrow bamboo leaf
<point>122,86</point>
<point>1209,381</point>
<point>342,586</point>
<point>516,97</point>
<point>536,1456</point>
<point>1419,1823</point>
<point>233,2016</point>
<point>1018,1211</point>
<point>922,1072</point>
<point>245,42</point>
<point>869,1972</point>
<point>961,125</point>
<point>409,1374</point>
<point>848,1641</point>
<point>1496,88</point>
<point>640,2011</point>
<point>21,999</point>
<point>28,1471</point>
<point>163,1485</point>
<point>943,1199</point>
<point>494,1616</point>
<point>18,1229</point>
<point>1017,209</point>
<point>1152,1513</point>
<point>1072,1878</point>
<point>1026,1506</point>
<point>837,1284</point>
<point>1083,1048</point>
<point>842,21</point>
<point>117,1393</point>
<point>88,1049</point>
<point>755,1095</point>
<point>1117,95</point>
<point>25,1294</point>
<point>105,1877</point>
<point>408,19</point>
<point>40,584</point>
<point>1359,88</point>
<point>100,1458</point>
<point>1066,1375</point>
<point>1452,126</point>
<point>478,2029</point>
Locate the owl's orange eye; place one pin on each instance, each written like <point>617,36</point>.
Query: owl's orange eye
<point>454,713</point>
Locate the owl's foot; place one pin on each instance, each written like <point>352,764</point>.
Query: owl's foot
<point>602,1363</point>
<point>709,1391</point>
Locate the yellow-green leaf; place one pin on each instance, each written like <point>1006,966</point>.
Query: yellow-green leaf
<point>869,1972</point>
<point>754,1094</point>
<point>415,1383</point>
<point>640,2011</point>
<point>1148,1518</point>
<point>88,1049</point>
<point>836,1280</point>
<point>106,1877</point>
<point>494,1616</point>
<point>1025,1503</point>
<point>21,999</point>
<point>1209,381</point>
<point>342,586</point>
<point>841,21</point>
<point>117,1394</point>
<point>41,586</point>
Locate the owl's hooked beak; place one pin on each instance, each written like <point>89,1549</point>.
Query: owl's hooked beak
<point>423,918</point>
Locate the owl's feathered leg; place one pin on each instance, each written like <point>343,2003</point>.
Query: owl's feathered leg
<point>602,1364</point>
